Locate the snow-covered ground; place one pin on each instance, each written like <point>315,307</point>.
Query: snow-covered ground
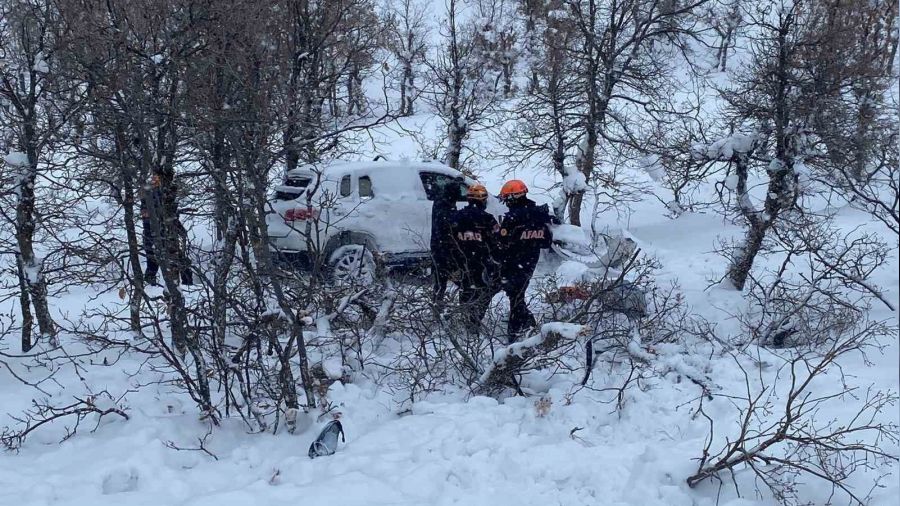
<point>565,446</point>
<point>448,450</point>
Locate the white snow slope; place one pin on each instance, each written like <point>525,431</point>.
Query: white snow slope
<point>450,449</point>
<point>446,451</point>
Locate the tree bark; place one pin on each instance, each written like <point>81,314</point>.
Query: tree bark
<point>25,308</point>
<point>407,86</point>
<point>31,267</point>
<point>745,254</point>
<point>456,129</point>
<point>575,200</point>
<point>129,183</point>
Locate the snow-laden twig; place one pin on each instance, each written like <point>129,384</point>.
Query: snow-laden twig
<point>508,360</point>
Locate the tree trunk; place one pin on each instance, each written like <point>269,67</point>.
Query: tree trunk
<point>745,254</point>
<point>355,98</point>
<point>575,200</point>
<point>226,233</point>
<point>584,163</point>
<point>134,258</point>
<point>129,183</point>
<point>864,117</point>
<point>25,307</point>
<point>407,87</point>
<point>726,44</point>
<point>456,130</point>
<point>223,264</point>
<point>531,37</point>
<point>32,266</point>
<point>506,63</point>
<point>291,153</point>
<point>455,136</point>
<point>173,262</point>
<point>501,374</point>
<point>778,198</point>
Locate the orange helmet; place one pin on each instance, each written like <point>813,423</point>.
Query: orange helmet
<point>512,189</point>
<point>477,191</point>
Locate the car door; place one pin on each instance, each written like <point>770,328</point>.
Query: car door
<point>403,226</point>
<point>344,215</point>
<point>379,205</point>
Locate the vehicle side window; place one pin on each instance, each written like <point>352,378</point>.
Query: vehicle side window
<point>435,183</point>
<point>365,187</point>
<point>463,190</point>
<point>345,186</point>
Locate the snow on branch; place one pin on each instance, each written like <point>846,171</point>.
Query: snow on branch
<point>727,148</point>
<point>509,360</point>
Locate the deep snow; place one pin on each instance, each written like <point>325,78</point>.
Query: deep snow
<point>448,450</point>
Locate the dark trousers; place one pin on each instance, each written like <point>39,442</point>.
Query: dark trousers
<point>475,297</point>
<point>152,267</point>
<point>520,317</point>
<point>441,270</point>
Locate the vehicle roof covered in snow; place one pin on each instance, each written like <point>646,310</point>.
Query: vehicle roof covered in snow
<point>372,167</point>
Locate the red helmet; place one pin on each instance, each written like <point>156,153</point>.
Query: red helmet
<point>513,189</point>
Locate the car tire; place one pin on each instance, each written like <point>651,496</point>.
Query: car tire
<point>353,265</point>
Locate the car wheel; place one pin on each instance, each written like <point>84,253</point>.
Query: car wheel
<point>353,265</point>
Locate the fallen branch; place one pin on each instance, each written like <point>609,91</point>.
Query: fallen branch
<point>43,414</point>
<point>795,442</point>
<point>509,361</point>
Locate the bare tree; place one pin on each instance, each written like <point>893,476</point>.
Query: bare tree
<point>773,107</point>
<point>854,71</point>
<point>782,437</point>
<point>813,307</point>
<point>497,38</point>
<point>406,38</point>
<point>37,104</point>
<point>321,45</point>
<point>725,18</point>
<point>462,87</point>
<point>142,133</point>
<point>618,61</point>
<point>547,120</point>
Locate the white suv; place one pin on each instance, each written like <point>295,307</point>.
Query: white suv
<point>355,214</point>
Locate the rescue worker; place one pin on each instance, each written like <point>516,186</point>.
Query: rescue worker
<point>153,203</point>
<point>152,199</point>
<point>443,264</point>
<point>474,232</point>
<point>524,231</point>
